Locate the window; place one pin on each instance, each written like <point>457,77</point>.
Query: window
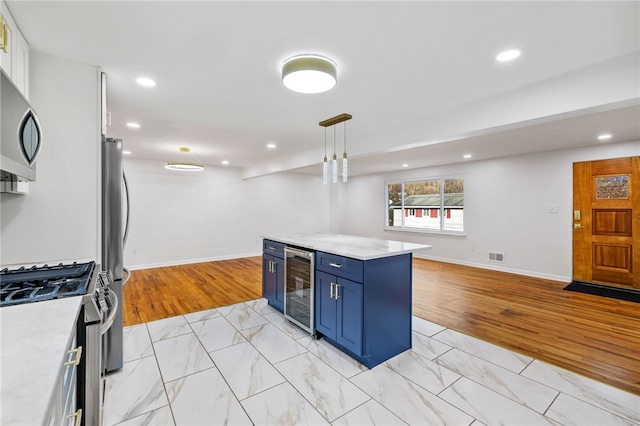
<point>429,205</point>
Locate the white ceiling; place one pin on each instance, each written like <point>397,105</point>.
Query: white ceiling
<point>419,78</point>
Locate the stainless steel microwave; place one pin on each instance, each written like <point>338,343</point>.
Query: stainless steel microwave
<point>21,134</point>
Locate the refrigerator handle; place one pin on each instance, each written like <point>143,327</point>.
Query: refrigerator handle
<point>126,224</point>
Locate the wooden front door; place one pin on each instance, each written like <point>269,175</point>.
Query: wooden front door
<point>606,222</point>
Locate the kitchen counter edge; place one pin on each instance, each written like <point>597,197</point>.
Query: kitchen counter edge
<point>356,247</point>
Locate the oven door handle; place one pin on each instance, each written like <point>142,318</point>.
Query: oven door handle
<point>106,325</point>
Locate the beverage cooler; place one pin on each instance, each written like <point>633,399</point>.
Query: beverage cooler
<point>298,300</point>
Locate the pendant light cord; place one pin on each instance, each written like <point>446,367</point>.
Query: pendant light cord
<point>345,137</point>
<point>325,143</point>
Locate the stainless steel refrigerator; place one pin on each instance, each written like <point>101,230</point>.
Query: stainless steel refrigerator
<point>115,218</point>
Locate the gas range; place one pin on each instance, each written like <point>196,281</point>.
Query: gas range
<point>26,285</point>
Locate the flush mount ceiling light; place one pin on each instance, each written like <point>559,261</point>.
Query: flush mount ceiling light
<point>185,164</point>
<point>133,125</point>
<point>508,55</point>
<point>604,136</point>
<point>309,74</point>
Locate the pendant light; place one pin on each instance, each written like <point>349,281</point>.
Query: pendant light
<point>344,154</point>
<point>332,122</point>
<point>335,158</point>
<point>325,165</point>
<point>184,164</point>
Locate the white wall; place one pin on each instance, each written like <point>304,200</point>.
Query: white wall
<point>507,203</point>
<point>58,219</point>
<point>185,217</point>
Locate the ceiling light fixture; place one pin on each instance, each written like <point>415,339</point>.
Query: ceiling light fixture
<point>508,55</point>
<point>405,165</point>
<point>309,74</point>
<point>605,136</point>
<point>467,156</point>
<point>184,165</point>
<point>126,152</point>
<point>144,81</point>
<point>332,122</point>
<point>271,146</point>
<point>133,125</point>
<point>225,162</point>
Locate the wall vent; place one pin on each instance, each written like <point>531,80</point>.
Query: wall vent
<point>496,257</point>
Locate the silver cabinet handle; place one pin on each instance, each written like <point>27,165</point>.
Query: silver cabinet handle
<point>337,294</point>
<point>272,248</point>
<point>274,267</point>
<point>76,359</point>
<point>335,265</point>
<point>331,293</point>
<point>77,415</point>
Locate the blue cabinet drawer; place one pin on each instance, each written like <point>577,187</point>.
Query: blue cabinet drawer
<point>345,267</point>
<point>273,247</point>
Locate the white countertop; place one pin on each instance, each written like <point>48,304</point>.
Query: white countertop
<point>362,248</point>
<point>34,339</point>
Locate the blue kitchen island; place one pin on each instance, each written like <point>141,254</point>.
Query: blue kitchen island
<point>361,294</point>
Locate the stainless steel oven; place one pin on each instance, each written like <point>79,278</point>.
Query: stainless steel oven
<point>298,288</point>
<point>97,314</point>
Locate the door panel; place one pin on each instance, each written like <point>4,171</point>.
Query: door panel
<point>350,315</point>
<point>606,203</point>
<point>612,222</point>
<point>326,307</point>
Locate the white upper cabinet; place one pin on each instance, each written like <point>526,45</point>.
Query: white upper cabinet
<point>14,51</point>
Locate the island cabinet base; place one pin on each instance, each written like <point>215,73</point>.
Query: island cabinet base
<point>363,307</point>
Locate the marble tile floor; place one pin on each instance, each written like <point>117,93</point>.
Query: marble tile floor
<point>245,364</point>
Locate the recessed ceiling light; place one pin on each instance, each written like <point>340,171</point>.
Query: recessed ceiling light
<point>225,162</point>
<point>605,136</point>
<point>508,55</point>
<point>271,145</point>
<point>133,125</point>
<point>144,81</point>
<point>126,152</point>
<point>467,156</point>
<point>309,74</point>
<point>405,165</point>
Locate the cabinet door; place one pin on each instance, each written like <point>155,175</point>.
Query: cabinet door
<point>20,64</point>
<point>268,278</point>
<point>6,57</point>
<point>350,315</point>
<point>273,280</point>
<point>278,273</point>
<point>326,306</point>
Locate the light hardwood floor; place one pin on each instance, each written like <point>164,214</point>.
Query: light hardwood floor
<point>594,336</point>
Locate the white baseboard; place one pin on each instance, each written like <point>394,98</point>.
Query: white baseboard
<point>498,268</point>
<point>421,256</point>
<point>190,261</point>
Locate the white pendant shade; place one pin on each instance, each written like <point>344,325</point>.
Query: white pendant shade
<point>309,74</point>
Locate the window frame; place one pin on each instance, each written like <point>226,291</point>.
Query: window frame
<point>441,209</point>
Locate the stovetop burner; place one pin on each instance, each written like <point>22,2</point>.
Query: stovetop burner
<point>25,285</point>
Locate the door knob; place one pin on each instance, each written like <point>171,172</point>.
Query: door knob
<point>577,226</point>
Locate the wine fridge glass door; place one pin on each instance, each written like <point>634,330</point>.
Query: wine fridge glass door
<point>298,300</point>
